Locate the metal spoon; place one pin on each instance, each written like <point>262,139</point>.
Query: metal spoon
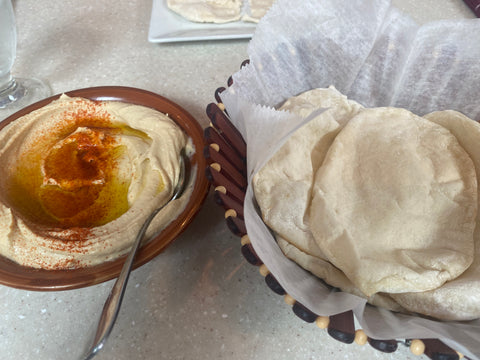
<point>114,300</point>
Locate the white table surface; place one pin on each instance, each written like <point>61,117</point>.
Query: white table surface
<point>199,299</point>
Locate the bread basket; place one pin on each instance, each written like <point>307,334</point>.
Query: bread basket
<point>225,152</point>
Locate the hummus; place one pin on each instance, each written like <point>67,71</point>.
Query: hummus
<point>80,177</point>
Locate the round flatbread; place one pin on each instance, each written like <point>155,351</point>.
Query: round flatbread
<point>283,186</point>
<point>322,269</point>
<point>215,11</point>
<point>458,299</point>
<point>394,203</point>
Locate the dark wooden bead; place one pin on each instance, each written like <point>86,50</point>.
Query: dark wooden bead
<point>218,179</point>
<point>303,313</point>
<point>230,173</point>
<point>236,226</point>
<point>229,203</point>
<point>230,167</point>
<point>250,255</point>
<point>437,350</point>
<point>342,327</point>
<point>274,285</point>
<point>211,109</point>
<point>387,346</point>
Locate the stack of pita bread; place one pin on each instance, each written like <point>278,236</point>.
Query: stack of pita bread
<point>380,203</point>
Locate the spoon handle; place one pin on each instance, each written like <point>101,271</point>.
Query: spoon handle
<point>114,301</point>
<point>112,304</point>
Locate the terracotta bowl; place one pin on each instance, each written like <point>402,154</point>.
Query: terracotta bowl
<point>14,275</point>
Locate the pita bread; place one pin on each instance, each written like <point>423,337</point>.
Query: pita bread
<point>215,11</point>
<point>394,203</point>
<point>283,186</point>
<point>458,299</point>
<point>332,276</point>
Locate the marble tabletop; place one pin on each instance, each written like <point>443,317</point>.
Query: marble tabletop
<point>199,299</point>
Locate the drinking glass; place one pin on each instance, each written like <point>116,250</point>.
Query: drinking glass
<point>15,93</point>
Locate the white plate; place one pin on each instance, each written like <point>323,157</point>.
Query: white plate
<point>167,26</point>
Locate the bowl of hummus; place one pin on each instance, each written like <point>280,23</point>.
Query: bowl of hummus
<point>82,171</point>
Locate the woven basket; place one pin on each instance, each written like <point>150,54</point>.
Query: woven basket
<point>225,152</point>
